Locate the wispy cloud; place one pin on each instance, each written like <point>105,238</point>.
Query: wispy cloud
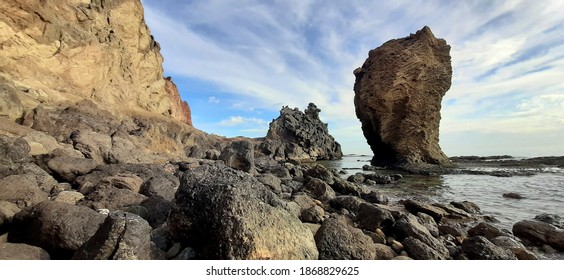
<point>507,57</point>
<point>213,99</point>
<point>238,120</point>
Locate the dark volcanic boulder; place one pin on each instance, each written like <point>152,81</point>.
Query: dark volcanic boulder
<point>122,236</point>
<point>239,155</point>
<point>227,214</point>
<point>398,93</point>
<point>59,228</point>
<point>300,136</point>
<point>408,225</point>
<point>337,239</point>
<point>540,233</point>
<point>479,248</point>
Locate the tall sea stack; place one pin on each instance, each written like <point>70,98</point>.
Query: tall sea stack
<point>398,93</point>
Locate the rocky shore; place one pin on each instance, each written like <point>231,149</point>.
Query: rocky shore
<point>106,165</point>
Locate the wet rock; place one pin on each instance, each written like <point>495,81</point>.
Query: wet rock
<point>57,227</point>
<point>239,155</point>
<point>318,189</point>
<point>415,207</point>
<point>21,190</point>
<point>467,206</point>
<point>337,239</point>
<point>356,178</point>
<point>513,195</point>
<point>375,197</point>
<point>300,136</point>
<point>398,93</point>
<point>122,236</point>
<point>419,250</point>
<point>379,178</point>
<point>227,214</point>
<point>372,217</point>
<point>480,248</point>
<point>163,186</point>
<point>486,230</point>
<point>68,168</point>
<point>540,233</point>
<point>456,230</point>
<point>20,251</point>
<point>516,247</point>
<point>552,219</point>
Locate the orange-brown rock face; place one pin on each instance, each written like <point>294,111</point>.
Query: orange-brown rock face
<point>68,50</point>
<point>398,93</point>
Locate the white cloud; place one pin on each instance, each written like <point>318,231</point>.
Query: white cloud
<point>213,99</point>
<point>507,56</point>
<point>239,120</point>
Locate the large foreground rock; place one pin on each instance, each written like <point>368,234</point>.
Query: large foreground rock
<point>57,227</point>
<point>227,214</point>
<point>300,136</point>
<point>398,93</point>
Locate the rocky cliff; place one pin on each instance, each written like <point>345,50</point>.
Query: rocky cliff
<point>300,136</point>
<point>66,51</point>
<point>398,93</point>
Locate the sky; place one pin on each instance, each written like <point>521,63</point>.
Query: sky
<point>238,62</point>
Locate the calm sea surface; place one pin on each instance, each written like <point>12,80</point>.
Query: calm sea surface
<point>543,192</point>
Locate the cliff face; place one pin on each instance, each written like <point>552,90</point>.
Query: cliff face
<point>68,50</point>
<point>300,136</point>
<point>398,93</point>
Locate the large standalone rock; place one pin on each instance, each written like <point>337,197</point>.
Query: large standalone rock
<point>540,233</point>
<point>227,214</point>
<point>300,136</point>
<point>398,93</point>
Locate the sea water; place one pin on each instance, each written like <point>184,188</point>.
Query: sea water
<point>542,192</point>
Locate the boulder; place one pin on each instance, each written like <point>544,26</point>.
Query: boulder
<point>384,252</point>
<point>552,219</point>
<point>469,207</point>
<point>371,217</point>
<point>357,178</point>
<point>300,136</point>
<point>122,236</point>
<point>239,155</point>
<point>223,213</point>
<point>540,233</point>
<point>516,247</point>
<point>68,168</point>
<point>347,188</point>
<point>320,172</point>
<point>92,145</point>
<point>348,202</point>
<point>375,197</point>
<point>57,227</point>
<point>7,212</point>
<point>125,181</point>
<point>273,182</point>
<point>398,93</point>
<point>480,248</point>
<point>108,197</point>
<point>318,189</point>
<point>419,207</point>
<point>13,150</point>
<point>70,197</point>
<point>419,250</point>
<point>314,214</point>
<point>408,225</point>
<point>20,251</point>
<point>513,195</point>
<point>21,190</point>
<point>163,186</point>
<point>337,239</point>
<point>486,230</point>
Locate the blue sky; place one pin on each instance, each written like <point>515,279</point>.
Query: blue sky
<point>238,62</point>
